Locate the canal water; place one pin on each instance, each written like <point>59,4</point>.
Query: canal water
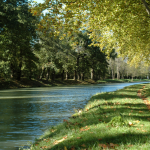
<point>27,112</point>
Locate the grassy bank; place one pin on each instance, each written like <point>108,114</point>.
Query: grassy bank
<point>121,80</point>
<point>24,82</point>
<point>114,120</point>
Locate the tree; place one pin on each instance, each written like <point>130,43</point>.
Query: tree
<point>112,65</point>
<point>116,23</point>
<point>17,36</point>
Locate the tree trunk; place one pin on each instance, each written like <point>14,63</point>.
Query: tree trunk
<point>62,75</point>
<point>112,74</point>
<point>132,78</point>
<point>78,73</point>
<point>42,73</point>
<point>53,75</point>
<point>16,72</point>
<point>75,75</point>
<point>92,73</point>
<point>19,71</point>
<point>66,75</point>
<point>82,76</point>
<point>127,75</point>
<point>118,74</point>
<point>146,5</point>
<point>48,74</point>
<point>78,76</point>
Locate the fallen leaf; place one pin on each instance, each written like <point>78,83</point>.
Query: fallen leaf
<point>65,148</point>
<point>137,121</point>
<point>140,111</point>
<point>64,120</point>
<point>58,141</point>
<point>148,119</point>
<point>144,131</point>
<point>99,139</point>
<point>129,145</point>
<point>72,148</point>
<point>83,145</point>
<point>43,147</point>
<point>104,145</point>
<point>130,124</point>
<point>113,145</point>
<point>65,137</point>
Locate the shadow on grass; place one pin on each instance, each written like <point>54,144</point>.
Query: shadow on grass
<point>129,139</point>
<point>100,117</point>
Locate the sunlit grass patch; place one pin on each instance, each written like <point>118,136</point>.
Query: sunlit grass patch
<point>112,120</point>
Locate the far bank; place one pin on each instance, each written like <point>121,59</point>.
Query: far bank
<point>26,83</point>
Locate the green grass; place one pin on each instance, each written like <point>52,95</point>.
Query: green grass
<point>113,120</point>
<point>121,80</point>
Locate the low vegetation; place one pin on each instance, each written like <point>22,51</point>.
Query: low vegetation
<point>113,120</point>
<point>26,83</point>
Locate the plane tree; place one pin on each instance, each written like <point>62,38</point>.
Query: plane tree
<point>121,24</point>
<point>17,36</point>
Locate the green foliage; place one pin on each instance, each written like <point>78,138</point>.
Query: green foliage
<point>118,121</point>
<point>17,35</point>
<point>113,24</point>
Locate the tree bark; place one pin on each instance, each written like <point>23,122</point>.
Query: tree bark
<point>146,6</point>
<point>118,74</point>
<point>112,71</point>
<point>53,75</point>
<point>62,75</point>
<point>66,75</point>
<point>92,73</point>
<point>78,73</point>
<point>48,74</point>
<point>82,76</point>
<point>42,73</point>
<point>75,75</point>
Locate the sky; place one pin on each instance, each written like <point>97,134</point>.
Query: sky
<point>39,1</point>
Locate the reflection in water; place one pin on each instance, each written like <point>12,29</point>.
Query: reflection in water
<point>26,113</point>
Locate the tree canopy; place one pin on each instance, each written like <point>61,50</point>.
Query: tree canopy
<point>120,24</point>
<point>17,35</point>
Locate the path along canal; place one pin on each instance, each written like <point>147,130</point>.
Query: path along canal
<point>27,112</point>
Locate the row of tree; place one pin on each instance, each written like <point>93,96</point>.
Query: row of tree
<point>120,69</point>
<point>30,53</point>
<point>28,50</point>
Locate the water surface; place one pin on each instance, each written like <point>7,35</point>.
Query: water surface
<point>27,112</point>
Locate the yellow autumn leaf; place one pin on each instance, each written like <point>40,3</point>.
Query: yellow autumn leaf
<point>130,124</point>
<point>65,148</point>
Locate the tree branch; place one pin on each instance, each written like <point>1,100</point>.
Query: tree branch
<point>146,6</point>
